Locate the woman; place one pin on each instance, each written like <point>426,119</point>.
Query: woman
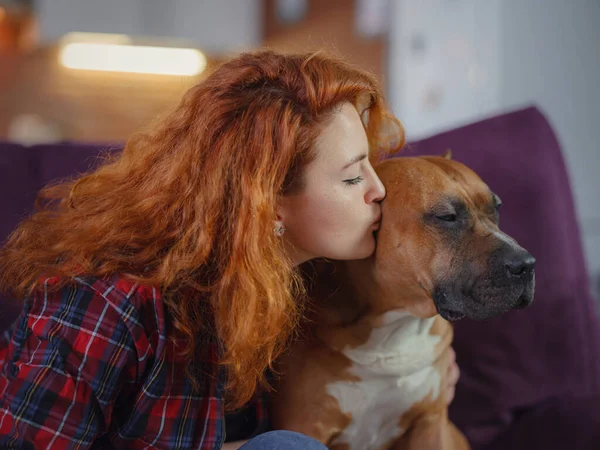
<point>160,288</point>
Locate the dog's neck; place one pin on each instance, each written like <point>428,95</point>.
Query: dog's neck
<point>354,315</point>
<point>346,293</point>
<point>337,298</point>
<point>400,344</point>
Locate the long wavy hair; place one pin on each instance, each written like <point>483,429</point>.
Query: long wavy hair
<point>189,205</point>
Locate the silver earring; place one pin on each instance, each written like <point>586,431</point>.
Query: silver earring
<point>279,230</point>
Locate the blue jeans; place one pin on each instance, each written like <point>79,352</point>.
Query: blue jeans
<point>282,440</point>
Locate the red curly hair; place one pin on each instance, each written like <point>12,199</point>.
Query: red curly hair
<point>189,205</point>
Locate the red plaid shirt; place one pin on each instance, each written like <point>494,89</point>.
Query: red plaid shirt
<point>91,366</point>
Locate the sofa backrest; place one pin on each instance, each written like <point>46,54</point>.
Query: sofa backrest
<point>552,348</point>
<point>25,170</point>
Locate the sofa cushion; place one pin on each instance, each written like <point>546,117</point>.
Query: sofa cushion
<point>69,160</point>
<point>20,183</point>
<point>566,423</point>
<point>20,178</point>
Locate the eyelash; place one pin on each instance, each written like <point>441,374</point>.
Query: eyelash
<point>353,181</point>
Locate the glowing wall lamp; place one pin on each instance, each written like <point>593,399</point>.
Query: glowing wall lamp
<point>116,53</point>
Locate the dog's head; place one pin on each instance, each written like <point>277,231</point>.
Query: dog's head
<point>440,247</point>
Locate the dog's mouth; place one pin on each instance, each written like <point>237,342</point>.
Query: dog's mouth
<point>479,305</point>
<point>450,315</point>
<point>446,307</point>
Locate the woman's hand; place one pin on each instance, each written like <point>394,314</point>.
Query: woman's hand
<point>451,378</point>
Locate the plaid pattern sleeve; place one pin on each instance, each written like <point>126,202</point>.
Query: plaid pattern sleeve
<point>90,366</point>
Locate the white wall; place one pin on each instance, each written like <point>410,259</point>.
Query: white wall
<point>57,17</point>
<point>551,55</point>
<point>444,62</point>
<point>220,25</point>
<point>481,58</point>
<point>217,26</point>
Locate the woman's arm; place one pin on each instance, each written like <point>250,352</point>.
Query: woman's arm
<point>72,355</point>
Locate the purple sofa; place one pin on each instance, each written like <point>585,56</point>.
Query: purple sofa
<point>530,379</point>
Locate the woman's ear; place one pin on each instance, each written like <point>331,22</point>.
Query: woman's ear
<point>279,222</point>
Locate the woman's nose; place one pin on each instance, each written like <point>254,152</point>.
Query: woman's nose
<point>377,191</point>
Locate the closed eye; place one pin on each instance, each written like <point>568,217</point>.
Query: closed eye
<point>447,217</point>
<point>353,181</point>
<point>450,213</point>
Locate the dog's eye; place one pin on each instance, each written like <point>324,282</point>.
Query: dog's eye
<point>447,217</point>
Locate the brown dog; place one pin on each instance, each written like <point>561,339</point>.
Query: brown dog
<point>368,371</point>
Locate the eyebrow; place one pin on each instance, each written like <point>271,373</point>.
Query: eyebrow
<point>355,160</point>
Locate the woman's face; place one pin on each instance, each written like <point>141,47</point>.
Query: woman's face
<point>337,210</point>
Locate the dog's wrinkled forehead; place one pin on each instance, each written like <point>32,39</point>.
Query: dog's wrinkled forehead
<point>468,183</point>
<point>421,181</point>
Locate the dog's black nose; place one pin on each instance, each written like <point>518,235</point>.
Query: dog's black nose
<point>519,264</point>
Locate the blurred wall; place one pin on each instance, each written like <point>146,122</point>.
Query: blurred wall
<point>444,62</point>
<point>83,105</point>
<point>108,107</point>
<point>330,25</point>
<point>100,106</point>
<point>217,26</point>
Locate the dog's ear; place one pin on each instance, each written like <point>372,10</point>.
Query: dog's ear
<point>448,154</point>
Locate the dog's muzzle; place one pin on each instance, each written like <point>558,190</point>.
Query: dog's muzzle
<point>507,282</point>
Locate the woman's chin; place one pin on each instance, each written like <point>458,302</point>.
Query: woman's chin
<point>359,250</point>
<point>366,249</point>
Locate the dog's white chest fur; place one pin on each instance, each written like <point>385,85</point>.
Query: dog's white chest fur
<point>396,370</point>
